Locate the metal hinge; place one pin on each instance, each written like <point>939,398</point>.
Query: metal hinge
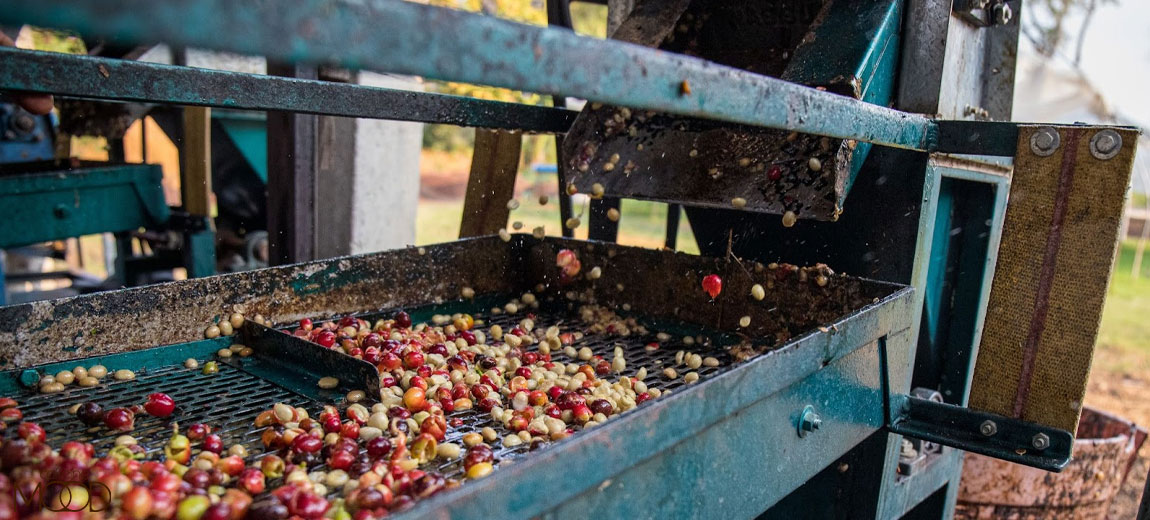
<point>981,432</point>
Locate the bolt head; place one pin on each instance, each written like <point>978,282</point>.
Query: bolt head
<point>809,421</point>
<point>24,123</point>
<point>1002,14</point>
<point>1105,144</point>
<point>1040,441</point>
<point>1044,141</point>
<point>988,428</point>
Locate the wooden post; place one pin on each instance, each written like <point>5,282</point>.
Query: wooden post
<point>292,182</point>
<point>196,178</point>
<point>494,165</point>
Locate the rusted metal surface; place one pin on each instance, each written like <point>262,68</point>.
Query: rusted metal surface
<point>654,283</point>
<point>1103,453</point>
<point>404,38</point>
<point>92,77</point>
<point>665,284</point>
<point>643,154</point>
<point>680,160</point>
<point>177,312</point>
<point>649,22</point>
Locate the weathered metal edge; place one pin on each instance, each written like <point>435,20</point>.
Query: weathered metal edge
<point>402,37</point>
<point>93,77</point>
<point>526,488</point>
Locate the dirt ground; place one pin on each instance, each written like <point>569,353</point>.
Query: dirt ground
<point>1123,393</point>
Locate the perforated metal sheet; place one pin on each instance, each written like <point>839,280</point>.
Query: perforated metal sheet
<point>230,399</point>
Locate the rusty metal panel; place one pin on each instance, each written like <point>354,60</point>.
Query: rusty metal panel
<point>846,48</point>
<point>652,283</point>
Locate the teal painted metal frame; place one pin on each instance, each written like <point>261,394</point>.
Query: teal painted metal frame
<point>855,52</point>
<point>500,53</point>
<point>249,132</point>
<point>64,203</point>
<point>401,37</point>
<point>900,494</point>
<point>92,77</point>
<point>708,429</point>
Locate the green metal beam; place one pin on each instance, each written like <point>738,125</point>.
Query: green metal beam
<point>93,77</point>
<point>407,38</point>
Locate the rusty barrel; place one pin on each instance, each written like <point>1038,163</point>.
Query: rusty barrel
<point>1104,451</point>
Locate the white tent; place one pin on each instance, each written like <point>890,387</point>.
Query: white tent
<point>1051,89</point>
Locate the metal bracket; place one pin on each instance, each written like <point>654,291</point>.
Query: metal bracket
<point>303,363</point>
<point>981,432</point>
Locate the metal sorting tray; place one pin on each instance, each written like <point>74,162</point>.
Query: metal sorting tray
<point>229,400</point>
<point>805,326</point>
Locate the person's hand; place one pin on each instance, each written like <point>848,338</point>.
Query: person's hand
<point>38,104</point>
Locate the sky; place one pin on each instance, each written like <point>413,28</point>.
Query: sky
<point>1116,56</point>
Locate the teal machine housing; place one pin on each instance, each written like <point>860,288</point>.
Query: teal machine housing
<point>926,200</point>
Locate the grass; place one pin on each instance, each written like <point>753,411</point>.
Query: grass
<point>1124,337</point>
<point>641,224</point>
<point>1125,328</point>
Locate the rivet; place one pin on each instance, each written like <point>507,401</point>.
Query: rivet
<point>1105,144</point>
<point>30,378</point>
<point>988,428</point>
<point>1040,441</point>
<point>1044,141</point>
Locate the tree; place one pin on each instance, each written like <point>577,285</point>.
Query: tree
<point>1046,23</point>
<point>588,19</point>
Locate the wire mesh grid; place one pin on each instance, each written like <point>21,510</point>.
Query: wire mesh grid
<point>229,400</point>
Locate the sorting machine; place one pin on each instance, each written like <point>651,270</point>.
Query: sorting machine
<point>872,136</point>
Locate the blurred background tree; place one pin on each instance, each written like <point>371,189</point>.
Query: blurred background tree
<point>589,20</point>
<point>1047,24</point>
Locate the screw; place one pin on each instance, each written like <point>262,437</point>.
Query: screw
<point>1002,14</point>
<point>809,421</point>
<point>24,123</point>
<point>988,428</point>
<point>1105,144</point>
<point>1044,141</point>
<point>1040,441</point>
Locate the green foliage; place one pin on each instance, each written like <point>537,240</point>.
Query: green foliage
<point>588,19</point>
<point>1046,23</point>
<point>447,138</point>
<point>52,40</point>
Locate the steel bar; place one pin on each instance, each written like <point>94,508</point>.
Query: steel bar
<point>989,434</point>
<point>402,37</point>
<point>122,80</point>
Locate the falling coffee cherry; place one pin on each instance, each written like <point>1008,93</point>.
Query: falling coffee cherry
<point>713,285</point>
